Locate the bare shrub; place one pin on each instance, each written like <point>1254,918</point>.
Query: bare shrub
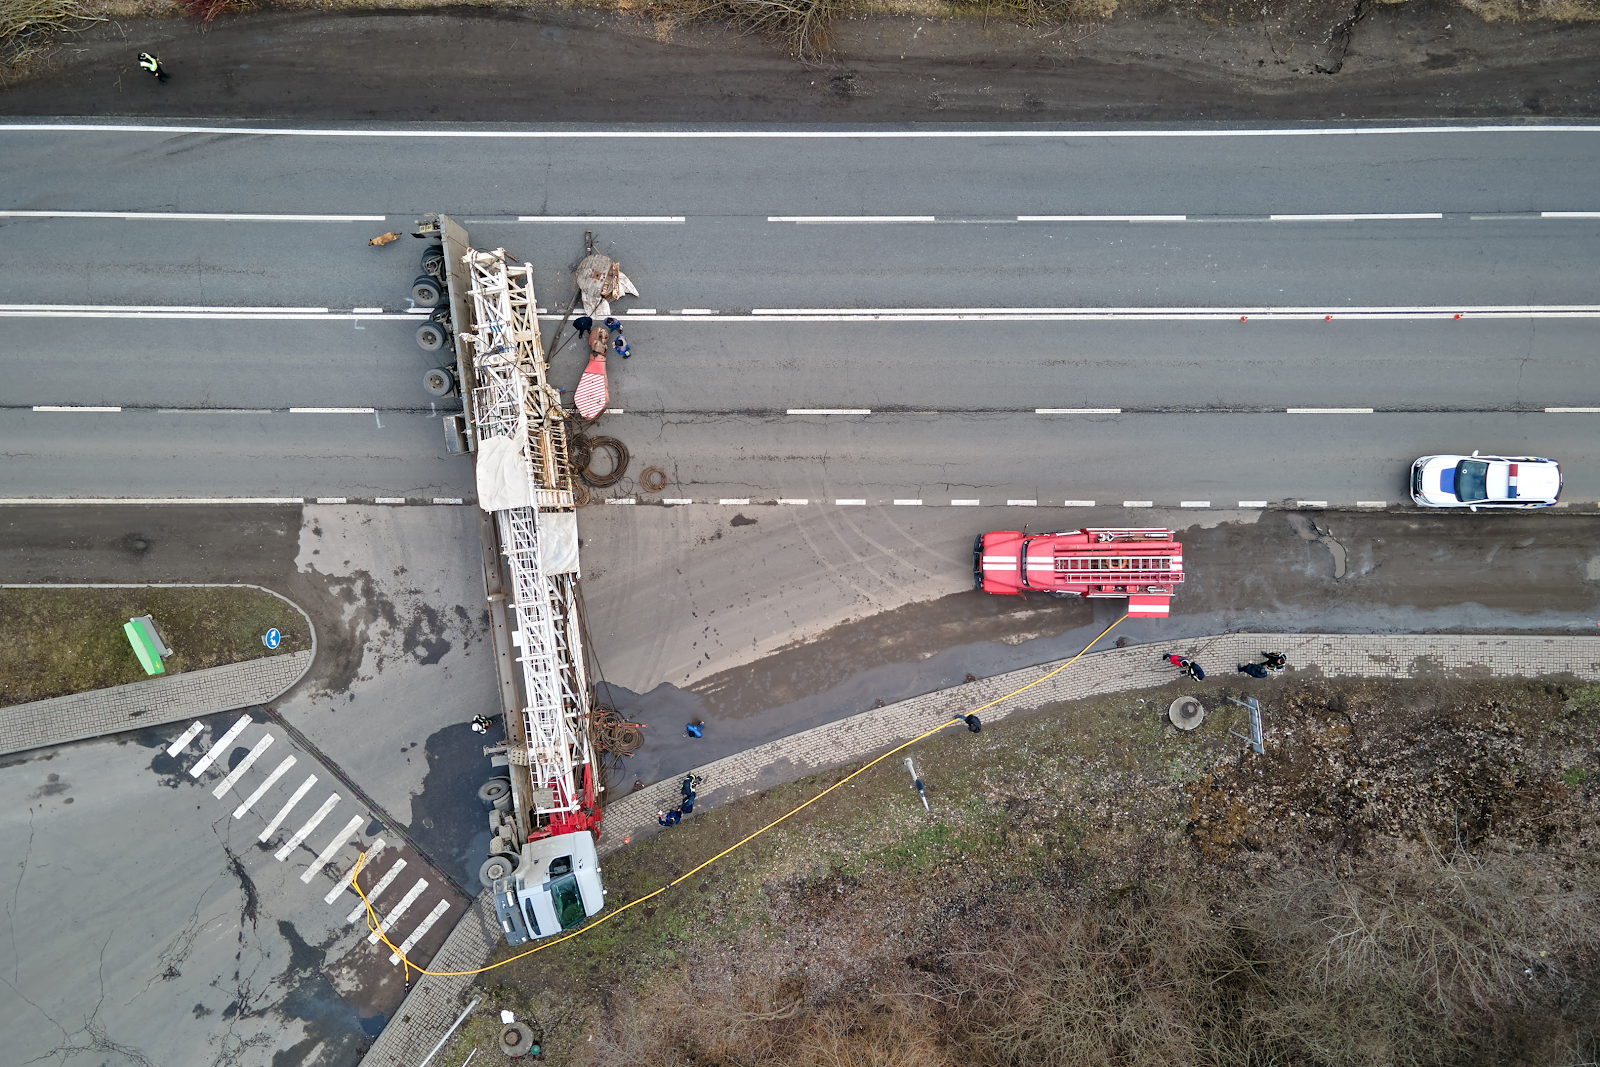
<point>800,26</point>
<point>206,10</point>
<point>26,26</point>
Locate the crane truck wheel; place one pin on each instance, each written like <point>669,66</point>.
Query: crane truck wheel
<point>496,867</point>
<point>430,335</point>
<point>495,791</point>
<point>426,292</point>
<point>439,382</point>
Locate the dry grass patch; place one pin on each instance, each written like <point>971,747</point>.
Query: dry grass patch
<point>59,641</point>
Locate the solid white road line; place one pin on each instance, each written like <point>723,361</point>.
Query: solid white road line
<point>850,218</point>
<point>1138,503</point>
<point>734,500</point>
<point>169,308</point>
<point>399,909</point>
<point>1077,503</point>
<point>244,765</point>
<point>1252,503</point>
<point>375,891</point>
<point>1025,133</point>
<point>851,503</point>
<point>70,407</point>
<point>333,846</point>
<point>1194,503</point>
<point>1329,411</point>
<point>600,218</point>
<point>830,411</point>
<point>963,503</point>
<point>305,830</point>
<point>368,858</point>
<point>421,931</point>
<point>1358,217</point>
<point>1077,411</point>
<point>217,749</point>
<point>154,500</point>
<point>186,216</point>
<point>261,790</point>
<point>184,738</point>
<point>1571,411</point>
<point>331,411</point>
<point>283,812</point>
<point>1102,218</point>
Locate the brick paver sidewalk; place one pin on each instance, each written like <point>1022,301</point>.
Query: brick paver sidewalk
<point>152,702</point>
<point>433,1005</point>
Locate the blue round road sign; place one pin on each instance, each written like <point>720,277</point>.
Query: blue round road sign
<point>272,638</point>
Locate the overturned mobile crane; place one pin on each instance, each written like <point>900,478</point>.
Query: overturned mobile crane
<point>542,867</point>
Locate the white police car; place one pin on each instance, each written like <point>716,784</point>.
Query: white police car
<point>1485,481</point>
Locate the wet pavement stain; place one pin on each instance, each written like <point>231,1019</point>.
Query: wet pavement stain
<point>333,1029</point>
<point>447,820</point>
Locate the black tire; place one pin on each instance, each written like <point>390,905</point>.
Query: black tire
<point>426,292</point>
<point>495,868</point>
<point>439,382</point>
<point>430,335</point>
<point>495,790</point>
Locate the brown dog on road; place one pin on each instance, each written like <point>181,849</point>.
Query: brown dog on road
<point>384,238</point>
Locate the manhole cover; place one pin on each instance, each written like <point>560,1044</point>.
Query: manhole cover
<point>1186,713</point>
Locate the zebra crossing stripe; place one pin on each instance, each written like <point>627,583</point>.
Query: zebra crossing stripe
<point>333,846</point>
<point>261,790</point>
<point>283,812</point>
<point>184,738</point>
<point>305,831</point>
<point>222,743</point>
<point>344,883</point>
<point>244,765</point>
<point>421,931</point>
<point>376,891</point>
<point>399,909</point>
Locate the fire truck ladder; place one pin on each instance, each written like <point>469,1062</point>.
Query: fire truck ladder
<point>514,400</point>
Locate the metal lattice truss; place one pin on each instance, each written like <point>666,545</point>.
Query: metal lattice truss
<point>513,399</point>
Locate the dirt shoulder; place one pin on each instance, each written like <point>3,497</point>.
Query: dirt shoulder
<point>1296,59</point>
<point>1406,875</point>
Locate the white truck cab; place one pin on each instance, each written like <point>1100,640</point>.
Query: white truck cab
<point>555,887</point>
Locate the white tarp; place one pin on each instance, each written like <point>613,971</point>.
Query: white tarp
<point>502,475</point>
<point>558,542</point>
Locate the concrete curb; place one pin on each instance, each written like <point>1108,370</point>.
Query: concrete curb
<point>432,1005</point>
<point>154,701</point>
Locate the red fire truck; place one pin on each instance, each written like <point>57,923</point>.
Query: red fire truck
<point>1144,565</point>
